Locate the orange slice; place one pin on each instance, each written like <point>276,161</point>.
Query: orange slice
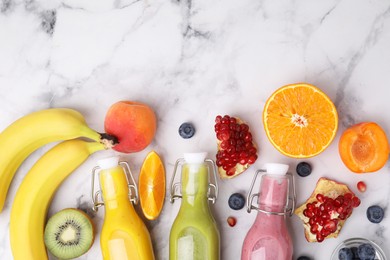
<point>300,120</point>
<point>152,186</point>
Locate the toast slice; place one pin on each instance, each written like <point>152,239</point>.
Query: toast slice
<point>324,215</point>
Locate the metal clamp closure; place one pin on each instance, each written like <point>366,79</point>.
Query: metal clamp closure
<point>291,197</point>
<point>175,190</point>
<point>97,197</point>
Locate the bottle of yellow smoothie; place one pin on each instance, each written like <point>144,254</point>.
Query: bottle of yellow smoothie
<point>194,233</point>
<point>124,236</point>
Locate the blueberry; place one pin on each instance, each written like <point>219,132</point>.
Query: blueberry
<point>186,130</point>
<point>303,169</point>
<point>345,253</point>
<point>236,201</point>
<point>304,258</point>
<point>375,214</point>
<point>354,250</point>
<point>366,251</point>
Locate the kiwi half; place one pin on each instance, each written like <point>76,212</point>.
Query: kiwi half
<point>69,234</point>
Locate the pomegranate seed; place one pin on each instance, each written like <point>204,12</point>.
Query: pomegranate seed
<point>336,203</point>
<point>224,144</point>
<point>340,198</point>
<point>224,127</point>
<point>240,142</point>
<point>314,229</point>
<point>319,237</point>
<point>248,145</point>
<point>252,151</point>
<point>232,151</point>
<point>361,186</point>
<point>348,209</point>
<point>231,221</point>
<point>232,155</point>
<point>248,137</point>
<point>348,196</point>
<point>325,216</point>
<point>328,206</point>
<point>320,197</point>
<point>243,161</point>
<point>311,221</point>
<point>308,214</point>
<point>231,171</point>
<point>244,127</point>
<point>252,159</point>
<point>331,225</point>
<point>218,163</point>
<point>244,154</point>
<point>325,232</point>
<point>355,202</point>
<point>347,201</point>
<point>218,119</point>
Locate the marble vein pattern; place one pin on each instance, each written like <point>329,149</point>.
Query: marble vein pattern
<point>192,60</point>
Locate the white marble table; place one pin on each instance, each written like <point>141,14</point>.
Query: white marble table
<point>192,60</point>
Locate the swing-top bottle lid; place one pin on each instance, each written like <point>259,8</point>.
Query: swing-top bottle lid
<point>195,158</point>
<point>276,168</point>
<point>108,163</point>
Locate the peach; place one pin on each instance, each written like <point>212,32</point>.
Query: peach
<point>133,123</point>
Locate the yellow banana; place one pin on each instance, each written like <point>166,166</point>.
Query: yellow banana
<point>35,193</point>
<point>32,131</point>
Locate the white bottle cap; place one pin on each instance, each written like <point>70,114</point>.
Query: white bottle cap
<point>195,158</point>
<point>108,163</point>
<point>276,168</point>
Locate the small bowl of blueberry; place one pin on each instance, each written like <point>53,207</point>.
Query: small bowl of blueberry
<point>358,248</point>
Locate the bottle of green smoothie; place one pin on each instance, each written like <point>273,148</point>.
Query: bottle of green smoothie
<point>194,233</point>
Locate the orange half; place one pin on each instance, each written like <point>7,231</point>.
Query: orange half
<point>300,120</point>
<point>152,186</point>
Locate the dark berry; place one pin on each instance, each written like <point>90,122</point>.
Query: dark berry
<point>303,169</point>
<point>375,214</point>
<point>354,250</point>
<point>345,253</point>
<point>236,201</point>
<point>186,130</point>
<point>304,258</point>
<point>366,251</point>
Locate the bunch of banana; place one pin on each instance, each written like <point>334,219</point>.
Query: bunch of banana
<point>32,131</point>
<point>35,194</point>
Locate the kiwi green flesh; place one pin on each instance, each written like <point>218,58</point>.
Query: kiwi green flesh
<point>69,234</point>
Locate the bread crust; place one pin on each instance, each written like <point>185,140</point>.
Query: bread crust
<point>331,189</point>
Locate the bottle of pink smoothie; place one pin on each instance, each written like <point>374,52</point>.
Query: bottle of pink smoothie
<point>268,238</point>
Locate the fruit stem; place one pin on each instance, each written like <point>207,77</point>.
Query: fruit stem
<point>108,140</point>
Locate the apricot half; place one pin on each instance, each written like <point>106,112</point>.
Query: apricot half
<point>364,147</point>
<point>133,123</point>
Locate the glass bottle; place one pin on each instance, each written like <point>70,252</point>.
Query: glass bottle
<point>124,236</point>
<point>194,233</point>
<point>269,238</point>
